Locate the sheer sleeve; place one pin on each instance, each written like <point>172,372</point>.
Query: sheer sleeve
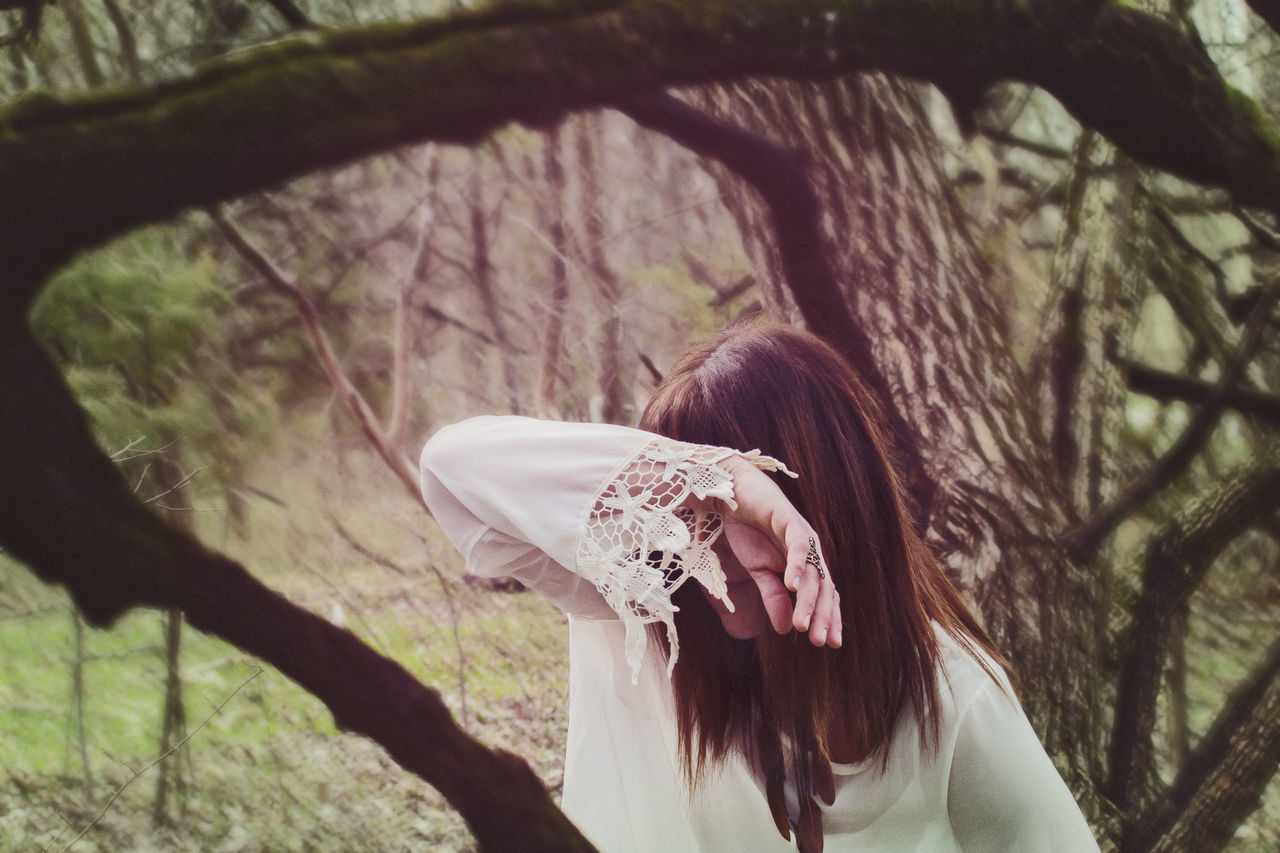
<point>594,516</point>
<point>1005,795</point>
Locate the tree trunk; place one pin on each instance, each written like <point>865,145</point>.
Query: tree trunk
<point>558,295</point>
<point>78,701</point>
<point>935,314</point>
<point>609,341</point>
<point>173,722</point>
<point>482,274</point>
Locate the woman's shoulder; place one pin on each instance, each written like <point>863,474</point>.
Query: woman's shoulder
<point>966,671</point>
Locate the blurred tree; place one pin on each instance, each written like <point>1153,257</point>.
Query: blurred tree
<point>134,332</point>
<point>856,219</point>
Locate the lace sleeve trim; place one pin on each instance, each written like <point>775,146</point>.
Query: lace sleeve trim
<point>637,544</point>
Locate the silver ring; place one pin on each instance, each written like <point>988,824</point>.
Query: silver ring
<point>815,559</point>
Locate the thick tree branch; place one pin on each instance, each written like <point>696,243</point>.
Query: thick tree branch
<point>69,167</point>
<point>1090,534</point>
<point>67,513</point>
<point>1176,562</point>
<point>1267,10</point>
<point>779,177</point>
<point>1163,385</point>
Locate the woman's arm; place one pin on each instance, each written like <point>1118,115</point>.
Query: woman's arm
<point>596,514</point>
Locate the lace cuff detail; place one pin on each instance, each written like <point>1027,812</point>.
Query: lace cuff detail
<point>637,544</point>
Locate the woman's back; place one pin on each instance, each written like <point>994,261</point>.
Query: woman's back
<point>623,783</point>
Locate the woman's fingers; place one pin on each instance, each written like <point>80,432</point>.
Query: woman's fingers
<point>756,553</point>
<point>763,507</point>
<point>817,608</point>
<point>825,628</point>
<point>776,599</point>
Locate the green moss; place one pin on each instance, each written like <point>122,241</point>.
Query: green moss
<point>1262,125</point>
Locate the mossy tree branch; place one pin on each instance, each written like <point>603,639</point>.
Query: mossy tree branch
<point>76,171</point>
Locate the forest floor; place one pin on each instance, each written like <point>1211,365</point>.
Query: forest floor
<point>263,768</point>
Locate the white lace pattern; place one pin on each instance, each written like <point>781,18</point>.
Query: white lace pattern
<point>637,544</point>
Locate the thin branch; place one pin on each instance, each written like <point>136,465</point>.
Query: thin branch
<point>653,220</point>
<point>338,378</point>
<point>360,549</point>
<point>175,487</point>
<point>1218,749</point>
<point>1183,242</point>
<point>724,296</point>
<point>1090,534</point>
<point>1042,149</point>
<point>1163,385</point>
<point>654,373</point>
<point>292,15</point>
<point>414,271</point>
<point>1176,561</point>
<point>1267,238</point>
<point>451,320</point>
<point>257,670</point>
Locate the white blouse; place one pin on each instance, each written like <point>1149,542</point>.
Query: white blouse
<point>576,511</point>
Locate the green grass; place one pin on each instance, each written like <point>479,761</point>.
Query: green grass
<point>267,770</point>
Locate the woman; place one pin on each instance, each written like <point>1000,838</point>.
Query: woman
<point>818,675</point>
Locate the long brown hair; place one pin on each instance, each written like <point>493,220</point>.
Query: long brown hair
<point>785,392</point>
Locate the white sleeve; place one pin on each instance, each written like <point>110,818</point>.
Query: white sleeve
<point>590,515</point>
<point>1004,794</point>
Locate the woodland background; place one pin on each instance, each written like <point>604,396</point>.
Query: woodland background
<point>266,247</point>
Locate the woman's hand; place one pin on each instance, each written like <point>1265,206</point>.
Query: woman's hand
<point>769,537</point>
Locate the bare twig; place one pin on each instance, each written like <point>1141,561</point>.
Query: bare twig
<point>1184,242</point>
<point>654,372</point>
<point>360,549</point>
<point>177,746</point>
<point>338,378</point>
<point>1035,146</point>
<point>178,486</point>
<point>292,15</point>
<point>1266,238</point>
